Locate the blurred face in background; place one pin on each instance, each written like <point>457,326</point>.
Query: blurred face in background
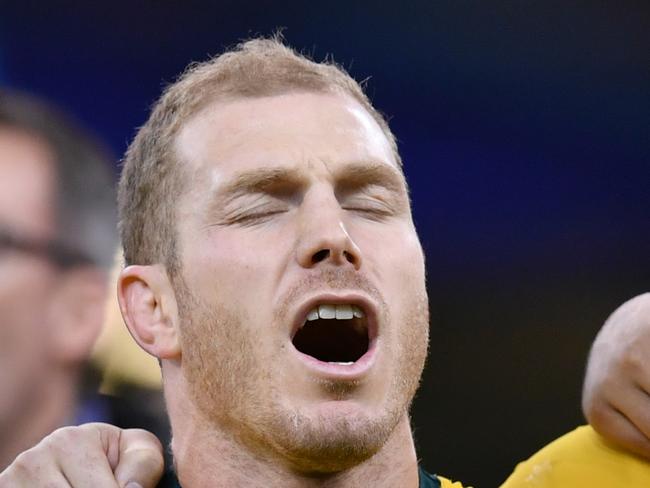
<point>27,277</point>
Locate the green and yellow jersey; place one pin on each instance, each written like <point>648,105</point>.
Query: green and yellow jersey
<point>581,458</point>
<point>445,483</point>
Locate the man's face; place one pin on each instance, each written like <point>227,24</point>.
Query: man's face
<point>301,292</point>
<point>26,280</point>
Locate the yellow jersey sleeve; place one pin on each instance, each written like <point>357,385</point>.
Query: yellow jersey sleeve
<point>581,458</point>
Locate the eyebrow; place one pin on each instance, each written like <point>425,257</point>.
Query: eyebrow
<point>359,175</point>
<point>274,180</point>
<point>262,180</point>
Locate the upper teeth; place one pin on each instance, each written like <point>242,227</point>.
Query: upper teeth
<point>339,312</point>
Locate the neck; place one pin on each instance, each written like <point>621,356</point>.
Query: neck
<point>45,409</point>
<point>208,457</point>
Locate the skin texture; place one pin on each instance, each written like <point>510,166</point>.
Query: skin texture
<point>330,218</point>
<point>616,395</point>
<point>48,323</point>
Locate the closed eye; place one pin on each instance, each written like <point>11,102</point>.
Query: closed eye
<point>256,217</point>
<point>371,210</point>
<point>250,210</point>
<point>373,201</point>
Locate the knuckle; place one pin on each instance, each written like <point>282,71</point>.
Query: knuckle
<point>139,439</point>
<point>146,457</point>
<point>63,440</point>
<point>26,459</point>
<point>633,361</point>
<point>62,434</point>
<point>146,435</point>
<point>27,463</point>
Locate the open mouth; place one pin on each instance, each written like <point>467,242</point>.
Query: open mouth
<point>334,333</point>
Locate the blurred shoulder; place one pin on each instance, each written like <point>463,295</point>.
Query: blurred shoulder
<point>580,458</point>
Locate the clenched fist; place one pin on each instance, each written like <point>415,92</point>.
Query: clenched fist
<point>91,455</point>
<point>616,394</point>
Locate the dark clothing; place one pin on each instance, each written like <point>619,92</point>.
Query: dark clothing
<point>130,406</point>
<point>426,480</point>
<point>169,481</point>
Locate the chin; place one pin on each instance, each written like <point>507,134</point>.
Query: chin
<point>335,439</point>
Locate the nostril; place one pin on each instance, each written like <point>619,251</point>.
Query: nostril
<point>350,257</point>
<point>320,256</point>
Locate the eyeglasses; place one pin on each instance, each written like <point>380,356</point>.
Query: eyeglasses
<point>55,251</point>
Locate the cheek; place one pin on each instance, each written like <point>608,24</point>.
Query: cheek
<point>236,267</point>
<point>413,257</point>
<point>403,285</point>
<point>398,262</point>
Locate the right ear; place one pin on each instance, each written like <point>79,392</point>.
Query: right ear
<point>148,305</point>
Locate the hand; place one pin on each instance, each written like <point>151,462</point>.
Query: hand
<point>91,455</point>
<point>616,393</point>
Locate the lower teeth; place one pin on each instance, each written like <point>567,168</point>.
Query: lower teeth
<point>347,363</point>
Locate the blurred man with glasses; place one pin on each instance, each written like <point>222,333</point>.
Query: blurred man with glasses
<point>57,240</point>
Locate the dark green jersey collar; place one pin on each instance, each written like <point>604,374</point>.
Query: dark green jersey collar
<point>426,480</point>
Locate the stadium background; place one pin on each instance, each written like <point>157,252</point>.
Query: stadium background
<point>525,131</point>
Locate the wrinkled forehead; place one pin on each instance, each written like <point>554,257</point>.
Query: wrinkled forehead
<point>297,130</point>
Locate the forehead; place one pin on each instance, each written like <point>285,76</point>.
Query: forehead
<point>27,182</point>
<point>297,130</point>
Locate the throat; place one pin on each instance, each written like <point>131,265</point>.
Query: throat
<point>213,459</point>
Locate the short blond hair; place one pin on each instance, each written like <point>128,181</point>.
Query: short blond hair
<point>151,180</point>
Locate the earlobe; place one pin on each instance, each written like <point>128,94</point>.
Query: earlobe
<point>149,309</point>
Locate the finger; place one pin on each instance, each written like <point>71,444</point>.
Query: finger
<point>81,454</point>
<point>636,408</point>
<point>140,459</point>
<point>618,428</point>
<point>33,469</point>
<point>53,479</point>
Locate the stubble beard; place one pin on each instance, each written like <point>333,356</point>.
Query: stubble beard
<point>235,393</point>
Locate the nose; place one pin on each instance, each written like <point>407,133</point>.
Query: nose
<point>324,237</point>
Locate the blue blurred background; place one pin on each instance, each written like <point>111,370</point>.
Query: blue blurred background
<point>525,131</point>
